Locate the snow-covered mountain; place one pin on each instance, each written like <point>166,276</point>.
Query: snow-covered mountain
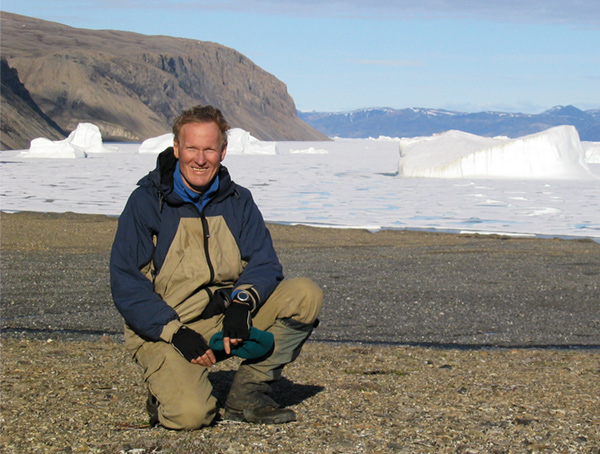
<point>412,122</point>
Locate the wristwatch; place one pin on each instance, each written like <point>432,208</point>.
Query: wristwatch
<point>243,297</point>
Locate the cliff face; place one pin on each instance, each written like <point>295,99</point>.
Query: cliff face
<point>132,86</point>
<point>22,120</point>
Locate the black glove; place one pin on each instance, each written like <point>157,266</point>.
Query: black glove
<point>189,343</point>
<point>237,322</point>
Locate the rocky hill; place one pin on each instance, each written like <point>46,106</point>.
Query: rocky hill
<point>411,122</point>
<point>132,86</point>
<point>24,119</point>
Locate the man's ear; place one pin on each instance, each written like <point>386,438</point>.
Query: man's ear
<point>223,153</point>
<point>176,147</point>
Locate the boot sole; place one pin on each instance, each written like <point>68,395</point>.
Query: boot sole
<point>247,416</point>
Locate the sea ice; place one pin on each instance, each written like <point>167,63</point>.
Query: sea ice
<point>309,150</point>
<point>354,185</point>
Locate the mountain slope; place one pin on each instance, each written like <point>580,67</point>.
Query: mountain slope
<point>413,122</point>
<point>133,86</point>
<point>22,119</point>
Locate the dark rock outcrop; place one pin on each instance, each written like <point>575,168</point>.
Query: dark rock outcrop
<point>22,120</point>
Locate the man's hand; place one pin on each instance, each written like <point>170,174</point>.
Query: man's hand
<point>236,325</point>
<point>193,347</point>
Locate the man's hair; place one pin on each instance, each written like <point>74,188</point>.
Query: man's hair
<point>202,114</point>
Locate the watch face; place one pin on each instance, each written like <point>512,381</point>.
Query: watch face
<point>243,296</point>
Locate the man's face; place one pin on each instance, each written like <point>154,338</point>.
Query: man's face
<point>198,149</point>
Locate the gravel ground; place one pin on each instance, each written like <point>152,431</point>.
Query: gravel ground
<point>399,288</point>
<point>428,343</point>
<point>63,396</point>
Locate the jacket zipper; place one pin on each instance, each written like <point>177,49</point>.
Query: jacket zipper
<point>206,252</point>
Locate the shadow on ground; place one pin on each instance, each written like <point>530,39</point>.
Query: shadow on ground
<point>285,392</point>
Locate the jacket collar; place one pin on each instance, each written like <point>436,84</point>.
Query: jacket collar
<point>162,179</point>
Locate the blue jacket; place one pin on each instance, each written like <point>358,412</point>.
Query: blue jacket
<point>168,257</point>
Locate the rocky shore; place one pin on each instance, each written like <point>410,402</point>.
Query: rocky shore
<point>429,342</point>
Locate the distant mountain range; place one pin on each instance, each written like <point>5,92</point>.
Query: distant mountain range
<point>413,122</point>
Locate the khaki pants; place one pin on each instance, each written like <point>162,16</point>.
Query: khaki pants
<point>182,388</point>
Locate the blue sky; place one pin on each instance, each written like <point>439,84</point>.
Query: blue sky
<point>337,55</point>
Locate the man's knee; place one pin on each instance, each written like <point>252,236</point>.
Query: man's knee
<point>187,414</point>
<point>182,389</point>
<point>299,299</point>
<point>309,299</point>
<point>308,288</point>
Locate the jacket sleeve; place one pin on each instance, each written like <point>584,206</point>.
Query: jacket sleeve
<point>263,271</point>
<point>133,293</point>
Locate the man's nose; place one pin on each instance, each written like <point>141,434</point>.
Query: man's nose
<point>199,158</point>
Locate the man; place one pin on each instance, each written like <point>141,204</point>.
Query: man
<point>192,261</point>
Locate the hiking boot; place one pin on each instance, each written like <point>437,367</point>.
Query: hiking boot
<point>152,409</point>
<point>249,400</point>
<point>262,415</point>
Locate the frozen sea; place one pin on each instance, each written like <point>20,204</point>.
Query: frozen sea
<point>348,183</point>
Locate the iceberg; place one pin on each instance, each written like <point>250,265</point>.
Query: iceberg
<point>592,152</point>
<point>156,145</point>
<point>241,142</point>
<point>309,150</point>
<point>86,138</point>
<point>556,153</point>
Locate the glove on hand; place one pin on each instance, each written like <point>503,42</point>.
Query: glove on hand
<point>237,322</point>
<point>189,343</point>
